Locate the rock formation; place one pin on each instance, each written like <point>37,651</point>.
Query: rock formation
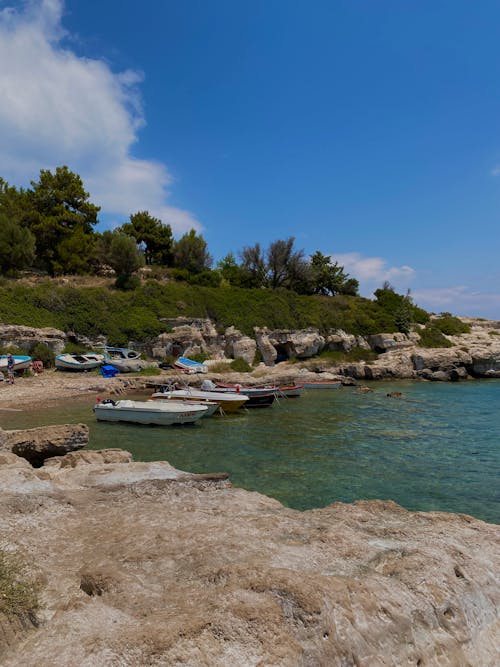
<point>140,564</point>
<point>37,444</point>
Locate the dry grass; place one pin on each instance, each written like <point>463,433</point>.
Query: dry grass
<point>18,588</point>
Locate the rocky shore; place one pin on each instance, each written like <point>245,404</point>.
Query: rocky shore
<point>107,561</point>
<point>139,564</point>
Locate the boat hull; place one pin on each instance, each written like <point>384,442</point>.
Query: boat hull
<point>227,402</point>
<point>189,366</point>
<point>148,412</point>
<point>21,362</point>
<point>320,384</point>
<point>79,362</point>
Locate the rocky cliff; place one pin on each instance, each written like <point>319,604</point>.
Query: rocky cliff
<point>475,354</point>
<point>139,564</point>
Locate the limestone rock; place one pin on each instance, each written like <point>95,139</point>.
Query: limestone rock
<point>87,457</point>
<point>28,337</point>
<point>38,444</point>
<point>159,568</point>
<point>239,346</point>
<point>265,347</point>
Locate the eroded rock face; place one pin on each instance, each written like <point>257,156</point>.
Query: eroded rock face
<point>37,444</point>
<point>28,337</point>
<point>145,565</point>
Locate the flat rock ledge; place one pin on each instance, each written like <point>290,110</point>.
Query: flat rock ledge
<point>140,564</point>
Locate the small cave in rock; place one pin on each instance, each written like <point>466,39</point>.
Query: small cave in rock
<point>283,352</point>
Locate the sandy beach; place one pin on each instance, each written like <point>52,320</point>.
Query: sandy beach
<point>53,385</point>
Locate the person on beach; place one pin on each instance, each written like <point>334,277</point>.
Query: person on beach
<point>10,368</point>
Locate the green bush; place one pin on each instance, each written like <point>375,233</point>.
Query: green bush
<point>44,354</point>
<point>431,336</point>
<point>240,366</point>
<point>449,325</point>
<point>354,355</point>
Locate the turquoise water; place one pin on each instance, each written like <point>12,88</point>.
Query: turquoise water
<point>437,448</point>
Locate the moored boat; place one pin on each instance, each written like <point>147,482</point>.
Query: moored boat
<point>21,362</point>
<point>321,384</point>
<point>160,413</point>
<point>79,362</point>
<point>211,406</point>
<point>258,397</point>
<point>290,390</point>
<point>228,402</point>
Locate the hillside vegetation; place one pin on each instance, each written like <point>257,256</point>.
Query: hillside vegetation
<point>141,314</point>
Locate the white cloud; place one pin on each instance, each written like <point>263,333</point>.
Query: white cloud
<point>58,108</point>
<point>372,272</point>
<point>495,171</point>
<point>459,300</point>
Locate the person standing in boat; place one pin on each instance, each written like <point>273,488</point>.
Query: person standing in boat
<point>10,368</point>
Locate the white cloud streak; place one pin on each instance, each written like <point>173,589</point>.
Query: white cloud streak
<point>58,108</point>
<point>372,272</point>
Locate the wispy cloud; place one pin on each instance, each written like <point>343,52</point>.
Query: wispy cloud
<point>58,108</point>
<point>495,171</point>
<point>459,300</point>
<point>372,272</point>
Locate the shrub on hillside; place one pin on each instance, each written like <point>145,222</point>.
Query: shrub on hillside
<point>449,325</point>
<point>240,366</point>
<point>431,336</point>
<point>44,354</point>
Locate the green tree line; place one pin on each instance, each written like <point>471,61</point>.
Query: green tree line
<point>51,227</point>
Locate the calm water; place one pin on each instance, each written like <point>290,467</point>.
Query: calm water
<point>436,449</point>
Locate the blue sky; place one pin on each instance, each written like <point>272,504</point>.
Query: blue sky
<point>369,130</point>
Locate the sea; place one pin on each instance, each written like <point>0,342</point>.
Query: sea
<point>437,447</point>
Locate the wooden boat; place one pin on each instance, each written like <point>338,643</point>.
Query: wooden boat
<point>189,366</point>
<point>124,359</point>
<point>79,362</point>
<point>290,391</point>
<point>258,397</point>
<point>280,391</point>
<point>160,413</point>
<point>321,384</point>
<point>21,362</point>
<point>228,402</point>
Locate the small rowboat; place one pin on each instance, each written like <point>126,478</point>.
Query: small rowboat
<point>161,413</point>
<point>189,366</point>
<point>79,362</point>
<point>321,384</point>
<point>21,362</point>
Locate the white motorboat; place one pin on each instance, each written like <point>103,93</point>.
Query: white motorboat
<point>211,406</point>
<point>228,402</point>
<point>161,413</point>
<point>79,362</point>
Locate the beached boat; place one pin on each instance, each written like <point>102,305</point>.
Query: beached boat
<point>321,384</point>
<point>189,366</point>
<point>228,402</point>
<point>21,362</point>
<point>124,359</point>
<point>160,413</point>
<point>79,362</point>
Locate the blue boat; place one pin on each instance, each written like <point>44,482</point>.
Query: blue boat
<point>190,366</point>
<point>21,362</point>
